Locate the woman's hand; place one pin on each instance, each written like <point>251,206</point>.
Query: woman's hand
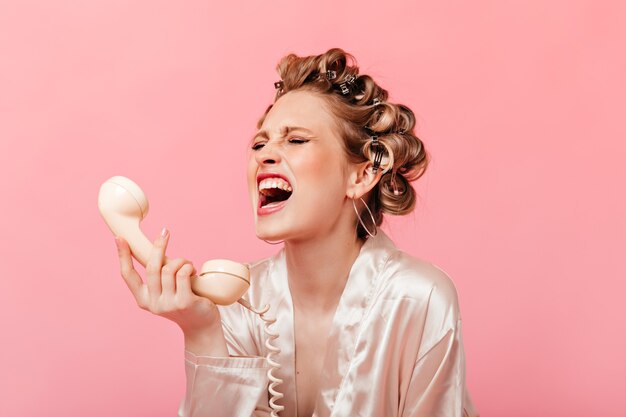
<point>167,293</point>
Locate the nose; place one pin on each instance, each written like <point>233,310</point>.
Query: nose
<point>268,154</point>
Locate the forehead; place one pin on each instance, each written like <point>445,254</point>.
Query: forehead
<point>299,108</point>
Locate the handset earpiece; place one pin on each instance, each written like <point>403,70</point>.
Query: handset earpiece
<point>123,205</point>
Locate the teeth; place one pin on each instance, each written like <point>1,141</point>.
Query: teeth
<point>275,183</point>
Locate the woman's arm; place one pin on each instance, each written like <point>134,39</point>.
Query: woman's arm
<point>234,384</point>
<point>217,383</point>
<point>437,386</point>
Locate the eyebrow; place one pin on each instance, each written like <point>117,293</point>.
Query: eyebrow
<point>285,130</point>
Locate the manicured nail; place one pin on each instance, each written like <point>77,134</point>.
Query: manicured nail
<point>164,233</point>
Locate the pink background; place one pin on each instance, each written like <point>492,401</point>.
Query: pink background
<point>521,104</point>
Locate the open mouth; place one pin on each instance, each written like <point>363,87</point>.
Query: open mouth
<point>273,191</point>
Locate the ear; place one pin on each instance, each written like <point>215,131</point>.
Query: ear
<point>362,179</point>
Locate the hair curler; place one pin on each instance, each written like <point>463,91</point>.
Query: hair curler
<point>123,205</point>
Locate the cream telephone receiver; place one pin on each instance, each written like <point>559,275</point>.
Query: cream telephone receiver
<point>123,205</point>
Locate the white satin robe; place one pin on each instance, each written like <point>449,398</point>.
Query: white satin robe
<point>395,347</point>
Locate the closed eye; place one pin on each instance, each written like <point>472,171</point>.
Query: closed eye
<point>295,141</point>
<point>298,141</point>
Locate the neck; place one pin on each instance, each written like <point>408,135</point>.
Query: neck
<point>318,269</point>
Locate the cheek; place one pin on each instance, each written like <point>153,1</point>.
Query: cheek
<point>322,177</point>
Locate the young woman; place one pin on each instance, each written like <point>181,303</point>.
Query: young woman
<point>364,329</point>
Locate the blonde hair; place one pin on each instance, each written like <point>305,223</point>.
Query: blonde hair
<point>361,109</point>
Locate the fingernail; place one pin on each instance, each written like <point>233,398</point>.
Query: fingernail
<point>164,233</point>
<point>117,242</point>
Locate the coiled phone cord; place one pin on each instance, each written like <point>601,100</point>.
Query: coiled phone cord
<point>273,350</point>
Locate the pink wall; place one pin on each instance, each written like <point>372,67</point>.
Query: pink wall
<point>520,103</point>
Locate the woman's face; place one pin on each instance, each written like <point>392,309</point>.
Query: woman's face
<point>297,170</point>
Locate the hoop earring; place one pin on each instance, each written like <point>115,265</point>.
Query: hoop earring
<point>361,220</point>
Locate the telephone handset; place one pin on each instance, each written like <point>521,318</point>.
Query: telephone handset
<point>123,205</point>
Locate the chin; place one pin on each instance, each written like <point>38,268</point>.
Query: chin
<point>270,232</point>
<point>270,237</point>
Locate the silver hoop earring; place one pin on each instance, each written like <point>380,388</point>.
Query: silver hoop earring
<point>361,220</point>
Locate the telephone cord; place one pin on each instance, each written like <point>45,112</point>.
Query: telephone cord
<point>273,350</point>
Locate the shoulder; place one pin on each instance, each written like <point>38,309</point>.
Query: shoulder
<point>408,277</point>
<point>417,297</point>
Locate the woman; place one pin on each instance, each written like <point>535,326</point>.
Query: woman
<point>364,329</point>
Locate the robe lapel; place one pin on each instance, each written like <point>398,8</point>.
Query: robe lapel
<point>357,296</point>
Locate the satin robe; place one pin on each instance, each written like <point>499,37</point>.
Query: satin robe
<point>395,348</point>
